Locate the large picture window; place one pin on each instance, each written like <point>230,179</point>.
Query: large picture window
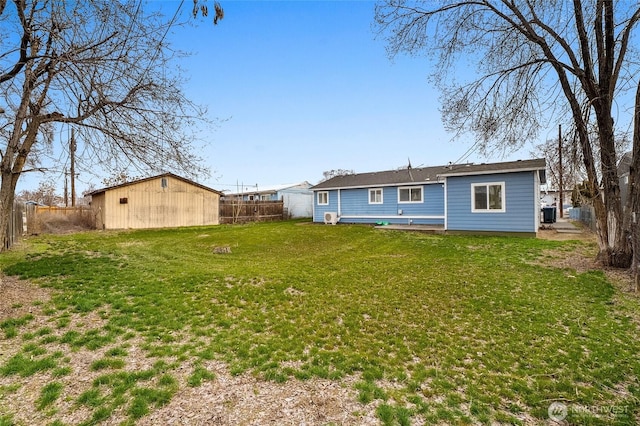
<point>487,197</point>
<point>323,198</point>
<point>375,196</point>
<point>410,194</point>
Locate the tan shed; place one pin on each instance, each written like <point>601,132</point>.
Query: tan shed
<point>163,201</point>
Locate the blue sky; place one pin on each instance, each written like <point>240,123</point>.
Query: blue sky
<point>304,87</point>
<point>308,88</point>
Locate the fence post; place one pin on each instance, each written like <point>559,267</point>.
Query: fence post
<point>15,226</point>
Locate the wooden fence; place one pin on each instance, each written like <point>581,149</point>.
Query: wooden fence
<point>51,219</point>
<point>27,218</point>
<point>238,211</point>
<point>16,224</point>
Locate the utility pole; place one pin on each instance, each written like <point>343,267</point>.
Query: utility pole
<point>560,168</point>
<point>66,191</point>
<point>72,154</point>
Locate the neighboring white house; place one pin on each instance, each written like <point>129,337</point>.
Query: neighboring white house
<point>297,198</point>
<point>624,168</point>
<point>551,198</point>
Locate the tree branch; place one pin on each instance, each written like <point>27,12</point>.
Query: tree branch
<point>24,43</point>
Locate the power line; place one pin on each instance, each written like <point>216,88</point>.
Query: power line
<point>467,153</point>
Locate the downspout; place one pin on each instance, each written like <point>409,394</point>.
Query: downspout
<point>446,205</point>
<point>536,201</point>
<point>339,203</point>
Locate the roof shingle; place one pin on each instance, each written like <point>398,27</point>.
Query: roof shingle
<point>424,175</point>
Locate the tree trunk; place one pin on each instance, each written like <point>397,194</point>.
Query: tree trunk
<point>617,252</point>
<point>632,206</point>
<point>7,195</point>
<point>615,247</point>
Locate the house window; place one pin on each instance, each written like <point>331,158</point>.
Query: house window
<point>164,183</point>
<point>487,197</point>
<point>410,194</point>
<point>375,196</point>
<point>323,198</point>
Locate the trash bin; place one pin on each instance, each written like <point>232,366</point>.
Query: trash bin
<point>548,214</point>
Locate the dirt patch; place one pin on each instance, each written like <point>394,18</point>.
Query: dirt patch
<point>582,258</point>
<point>245,400</point>
<point>19,296</point>
<point>581,234</point>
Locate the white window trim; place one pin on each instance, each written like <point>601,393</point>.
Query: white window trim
<point>410,188</point>
<point>318,198</point>
<point>381,195</point>
<point>487,185</point>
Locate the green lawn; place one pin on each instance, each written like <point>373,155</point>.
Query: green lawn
<point>445,329</point>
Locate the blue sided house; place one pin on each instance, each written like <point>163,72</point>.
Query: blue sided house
<point>475,198</point>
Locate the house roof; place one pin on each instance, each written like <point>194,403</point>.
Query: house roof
<point>99,191</point>
<point>422,175</point>
<point>490,168</point>
<point>274,188</point>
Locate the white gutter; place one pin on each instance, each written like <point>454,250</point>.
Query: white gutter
<point>414,183</point>
<point>491,172</point>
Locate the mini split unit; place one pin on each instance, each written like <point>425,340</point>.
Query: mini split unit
<point>330,218</point>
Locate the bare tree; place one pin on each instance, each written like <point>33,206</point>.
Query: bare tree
<point>535,60</point>
<point>118,178</point>
<point>45,194</point>
<point>103,67</point>
<point>201,7</point>
<point>326,175</point>
<point>568,165</point>
<point>569,168</point>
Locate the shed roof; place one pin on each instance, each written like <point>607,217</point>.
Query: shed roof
<point>422,175</point>
<point>190,182</point>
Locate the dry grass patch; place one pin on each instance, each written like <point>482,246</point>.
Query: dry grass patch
<point>18,297</point>
<point>231,400</point>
